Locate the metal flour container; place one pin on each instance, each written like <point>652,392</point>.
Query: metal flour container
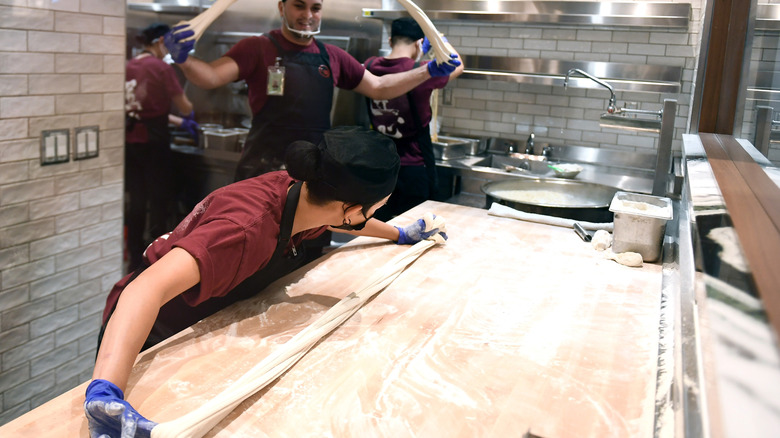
<point>640,223</point>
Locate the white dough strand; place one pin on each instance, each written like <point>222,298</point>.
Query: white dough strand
<point>437,42</point>
<point>200,23</point>
<point>198,422</point>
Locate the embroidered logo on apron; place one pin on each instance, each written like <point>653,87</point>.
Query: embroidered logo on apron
<point>324,71</point>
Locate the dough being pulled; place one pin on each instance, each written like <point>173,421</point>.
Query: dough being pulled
<point>198,422</point>
<point>202,21</point>
<point>430,31</point>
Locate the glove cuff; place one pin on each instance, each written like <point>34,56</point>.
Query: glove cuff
<point>402,238</point>
<point>101,388</point>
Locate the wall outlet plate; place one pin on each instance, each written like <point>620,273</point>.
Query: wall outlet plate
<point>55,146</point>
<point>87,142</point>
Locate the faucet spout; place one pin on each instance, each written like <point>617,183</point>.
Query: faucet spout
<point>611,106</point>
<point>529,145</point>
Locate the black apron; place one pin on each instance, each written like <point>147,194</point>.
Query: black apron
<point>176,315</point>
<point>423,139</point>
<point>302,113</point>
<point>150,185</point>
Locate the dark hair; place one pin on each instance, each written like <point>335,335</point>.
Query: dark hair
<point>302,160</point>
<point>401,39</point>
<point>351,164</point>
<point>405,27</point>
<point>303,163</point>
<point>152,32</point>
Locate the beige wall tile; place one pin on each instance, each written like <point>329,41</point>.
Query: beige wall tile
<point>54,84</point>
<point>26,63</point>
<point>78,103</point>
<point>38,124</point>
<point>15,150</point>
<point>104,7</point>
<point>13,85</point>
<point>113,137</point>
<point>114,26</point>
<point>67,63</point>
<point>102,83</point>
<point>80,23</point>
<point>104,119</point>
<point>11,129</point>
<point>59,42</point>
<point>27,19</point>
<point>13,40</point>
<point>113,101</point>
<point>59,5</point>
<point>26,106</point>
<point>107,45</point>
<point>114,64</point>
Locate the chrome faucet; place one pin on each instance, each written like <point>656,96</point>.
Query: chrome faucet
<point>529,145</point>
<point>611,106</point>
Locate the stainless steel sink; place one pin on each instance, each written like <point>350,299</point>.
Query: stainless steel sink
<point>461,180</point>
<point>517,163</point>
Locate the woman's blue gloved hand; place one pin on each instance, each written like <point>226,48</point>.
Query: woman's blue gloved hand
<point>179,49</point>
<point>445,68</point>
<point>188,123</point>
<point>108,414</point>
<point>415,232</point>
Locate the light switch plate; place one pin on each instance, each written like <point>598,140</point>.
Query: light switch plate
<point>87,140</point>
<point>55,146</point>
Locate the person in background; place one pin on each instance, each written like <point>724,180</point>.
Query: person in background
<point>406,119</point>
<point>237,241</point>
<point>290,76</point>
<point>151,87</point>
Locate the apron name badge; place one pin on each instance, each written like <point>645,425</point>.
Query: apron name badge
<point>275,79</point>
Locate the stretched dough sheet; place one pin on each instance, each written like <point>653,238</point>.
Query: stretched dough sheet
<point>202,21</point>
<point>197,423</point>
<point>511,326</point>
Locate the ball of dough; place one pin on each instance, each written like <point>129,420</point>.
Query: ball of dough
<point>632,259</point>
<point>601,240</point>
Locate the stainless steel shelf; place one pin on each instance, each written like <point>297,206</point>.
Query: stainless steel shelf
<point>622,77</point>
<point>170,7</point>
<point>567,13</point>
<point>768,17</point>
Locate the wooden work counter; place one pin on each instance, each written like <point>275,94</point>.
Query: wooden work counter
<point>511,327</point>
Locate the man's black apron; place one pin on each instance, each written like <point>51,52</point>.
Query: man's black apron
<point>176,315</point>
<point>302,113</point>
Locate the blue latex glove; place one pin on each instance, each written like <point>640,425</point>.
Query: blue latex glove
<point>426,44</point>
<point>110,415</point>
<point>191,126</point>
<point>443,69</point>
<point>179,49</point>
<point>414,233</point>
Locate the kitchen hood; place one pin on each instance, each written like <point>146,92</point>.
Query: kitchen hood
<point>562,13</point>
<point>184,7</point>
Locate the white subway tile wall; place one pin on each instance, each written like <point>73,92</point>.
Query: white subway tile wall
<point>61,67</point>
<point>512,110</point>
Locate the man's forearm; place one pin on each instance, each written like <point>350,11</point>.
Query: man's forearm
<point>392,85</point>
<point>204,75</point>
